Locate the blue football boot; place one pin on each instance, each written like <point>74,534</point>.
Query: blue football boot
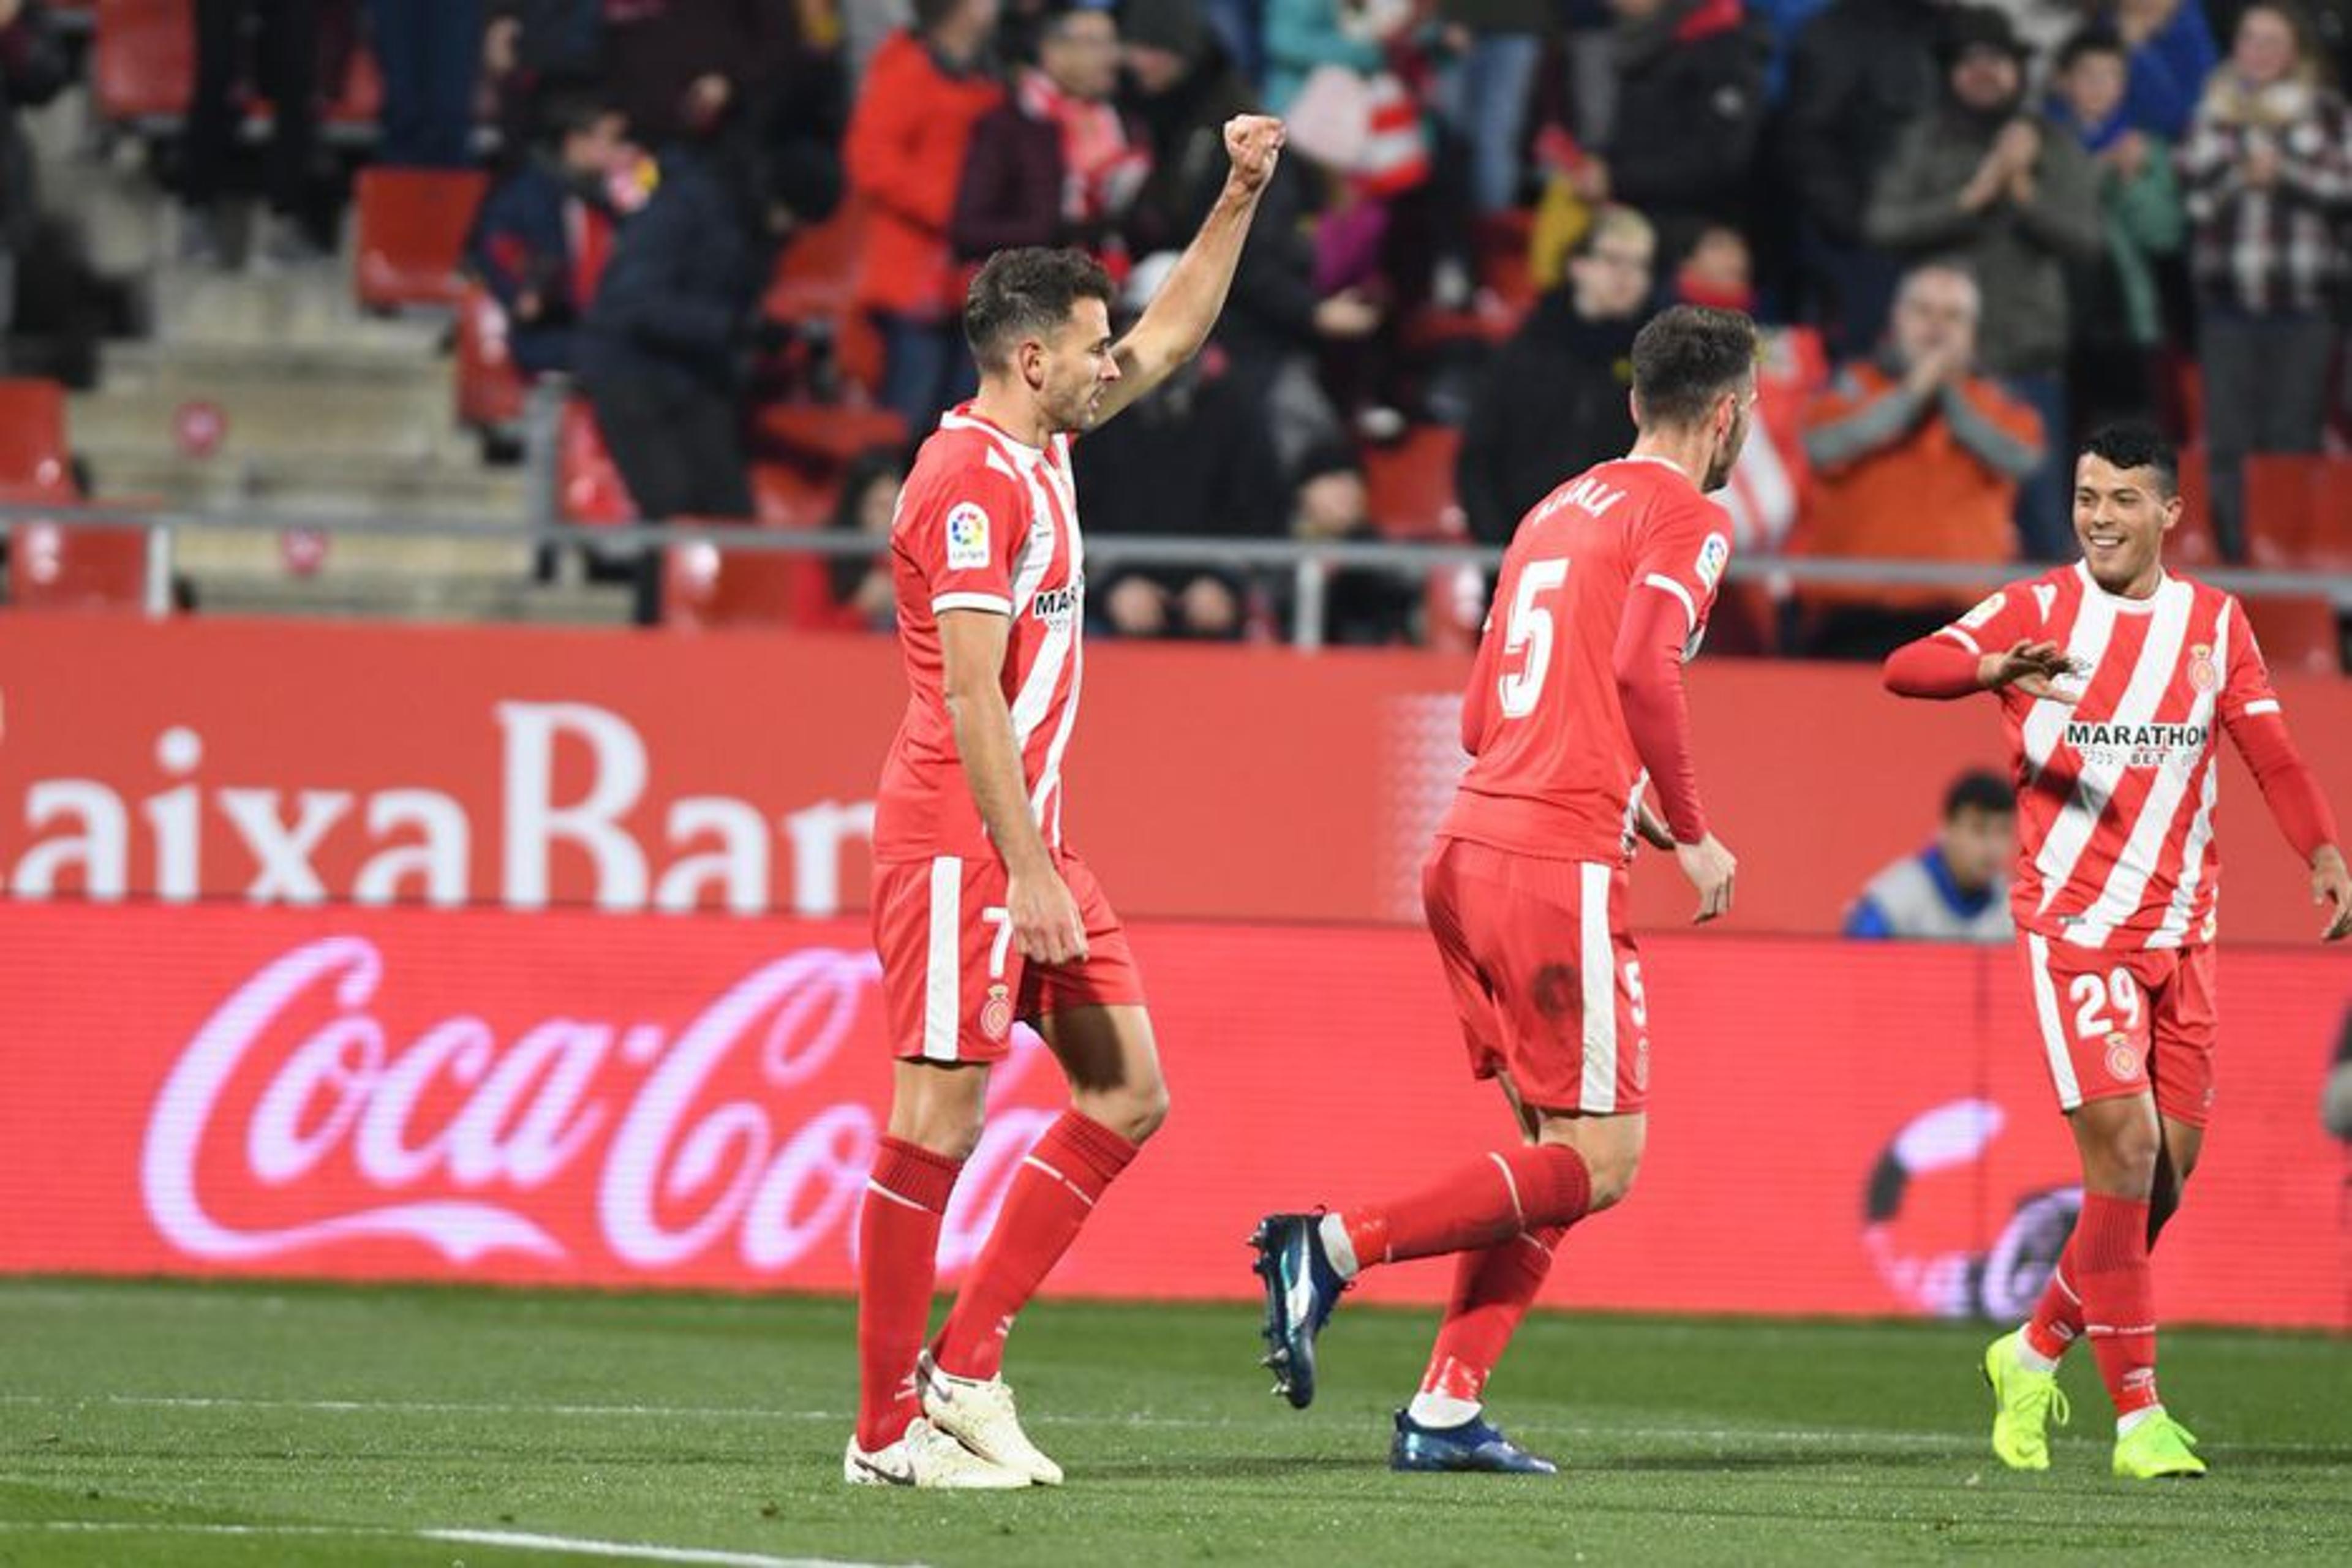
<point>1301,1288</point>
<point>1475,1445</point>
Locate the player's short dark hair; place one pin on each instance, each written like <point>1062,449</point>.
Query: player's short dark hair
<point>2130,444</point>
<point>2097,38</point>
<point>1687,358</point>
<point>1025,292</point>
<point>1980,790</point>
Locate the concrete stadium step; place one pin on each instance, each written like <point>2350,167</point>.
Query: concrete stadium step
<point>304,307</point>
<point>452,485</point>
<point>351,558</point>
<point>388,599</point>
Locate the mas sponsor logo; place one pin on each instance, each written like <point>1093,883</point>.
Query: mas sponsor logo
<point>1055,606</point>
<point>967,538</point>
<point>2112,745</point>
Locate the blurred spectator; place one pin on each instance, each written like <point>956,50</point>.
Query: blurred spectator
<point>1555,399</point>
<point>1055,163</point>
<point>1485,88</point>
<point>1986,183</point>
<point>1305,36</point>
<point>866,25</point>
<point>33,68</point>
<point>528,45</point>
<point>430,53</point>
<point>1687,115</point>
<point>1192,460</point>
<point>2169,53</point>
<point>2268,174</point>
<point>1862,70</point>
<point>1957,888</point>
<point>660,353</point>
<point>676,67</point>
<point>1363,606</point>
<point>2113,305</point>
<point>1184,88</point>
<point>862,587</point>
<point>908,137</point>
<point>544,232</point>
<point>286,36</point>
<point>1914,458</point>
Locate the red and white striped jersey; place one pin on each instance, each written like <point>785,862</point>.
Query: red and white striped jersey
<point>983,522</point>
<point>2116,793</point>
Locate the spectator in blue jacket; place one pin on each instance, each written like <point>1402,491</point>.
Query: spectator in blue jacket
<point>1957,888</point>
<point>2172,52</point>
<point>534,240</point>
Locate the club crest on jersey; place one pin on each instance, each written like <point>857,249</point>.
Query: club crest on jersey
<point>2122,1062</point>
<point>996,1013</point>
<point>2201,673</point>
<point>1712,557</point>
<point>967,538</point>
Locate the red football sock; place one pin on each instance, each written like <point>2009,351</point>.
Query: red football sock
<point>1051,1196</point>
<point>2119,1292</point>
<point>898,1258</point>
<point>2057,1320</point>
<point>1490,1200</point>
<point>1492,1292</point>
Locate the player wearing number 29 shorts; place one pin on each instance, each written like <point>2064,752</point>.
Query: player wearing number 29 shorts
<point>1575,708</point>
<point>982,916</point>
<point>2112,676</point>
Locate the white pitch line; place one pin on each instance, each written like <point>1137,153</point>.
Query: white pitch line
<point>509,1539</point>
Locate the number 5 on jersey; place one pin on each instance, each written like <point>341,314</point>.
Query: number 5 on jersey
<point>1530,630</point>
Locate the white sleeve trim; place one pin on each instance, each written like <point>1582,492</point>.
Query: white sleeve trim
<point>2261,705</point>
<point>1690,607</point>
<point>1966,641</point>
<point>994,602</point>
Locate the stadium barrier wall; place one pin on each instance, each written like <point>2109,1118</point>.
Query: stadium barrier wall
<point>288,764</point>
<point>581,1099</point>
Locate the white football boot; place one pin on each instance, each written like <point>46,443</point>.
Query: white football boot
<point>927,1456</point>
<point>979,1414</point>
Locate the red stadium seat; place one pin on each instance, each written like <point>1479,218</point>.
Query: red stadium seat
<point>1411,485</point>
<point>2193,544</point>
<point>35,461</point>
<point>2278,494</point>
<point>825,438</point>
<point>412,236</point>
<point>143,66</point>
<point>707,585</point>
<point>2327,544</point>
<point>815,280</point>
<point>592,490</point>
<point>2298,634</point>
<point>55,568</point>
<point>786,496</point>
<point>490,391</point>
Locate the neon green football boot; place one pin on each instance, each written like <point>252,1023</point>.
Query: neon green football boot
<point>2158,1446</point>
<point>2024,1402</point>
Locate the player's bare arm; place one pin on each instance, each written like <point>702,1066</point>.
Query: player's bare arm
<point>1177,321</point>
<point>1046,922</point>
<point>2331,885</point>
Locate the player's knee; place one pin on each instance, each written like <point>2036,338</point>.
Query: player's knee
<point>951,1132</point>
<point>1612,1180</point>
<point>1134,1111</point>
<point>2123,1163</point>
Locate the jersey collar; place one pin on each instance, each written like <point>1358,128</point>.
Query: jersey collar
<point>2164,581</point>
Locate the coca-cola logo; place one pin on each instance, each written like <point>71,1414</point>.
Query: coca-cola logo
<point>297,1118</point>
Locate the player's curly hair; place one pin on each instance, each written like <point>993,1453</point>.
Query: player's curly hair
<point>1686,359</point>
<point>2130,444</point>
<point>1025,292</point>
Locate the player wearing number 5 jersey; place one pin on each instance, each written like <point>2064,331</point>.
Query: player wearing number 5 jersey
<point>1575,706</point>
<point>2112,676</point>
<point>981,916</point>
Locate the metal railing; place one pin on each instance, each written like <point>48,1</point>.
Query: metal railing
<point>1311,563</point>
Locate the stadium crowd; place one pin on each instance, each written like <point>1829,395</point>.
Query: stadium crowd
<point>1976,232</point>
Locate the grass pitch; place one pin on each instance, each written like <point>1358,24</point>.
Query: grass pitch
<point>249,1424</point>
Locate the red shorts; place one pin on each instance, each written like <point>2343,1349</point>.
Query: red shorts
<point>952,981</point>
<point>1543,973</point>
<point>2122,1022</point>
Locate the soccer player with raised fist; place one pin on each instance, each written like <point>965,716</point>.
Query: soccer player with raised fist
<point>2112,675</point>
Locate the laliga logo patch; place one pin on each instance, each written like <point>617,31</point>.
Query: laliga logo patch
<point>996,1013</point>
<point>967,538</point>
<point>2201,673</point>
<point>2122,1062</point>
<point>1712,557</point>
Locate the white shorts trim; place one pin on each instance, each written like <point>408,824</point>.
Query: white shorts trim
<point>1598,964</point>
<point>2055,1042</point>
<point>943,970</point>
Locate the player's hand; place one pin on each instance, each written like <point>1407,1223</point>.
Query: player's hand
<point>1653,832</point>
<point>2033,667</point>
<point>2331,883</point>
<point>1709,865</point>
<point>1047,925</point>
<point>1254,142</point>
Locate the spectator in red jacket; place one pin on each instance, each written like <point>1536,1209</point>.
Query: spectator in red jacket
<point>908,137</point>
<point>1055,163</point>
